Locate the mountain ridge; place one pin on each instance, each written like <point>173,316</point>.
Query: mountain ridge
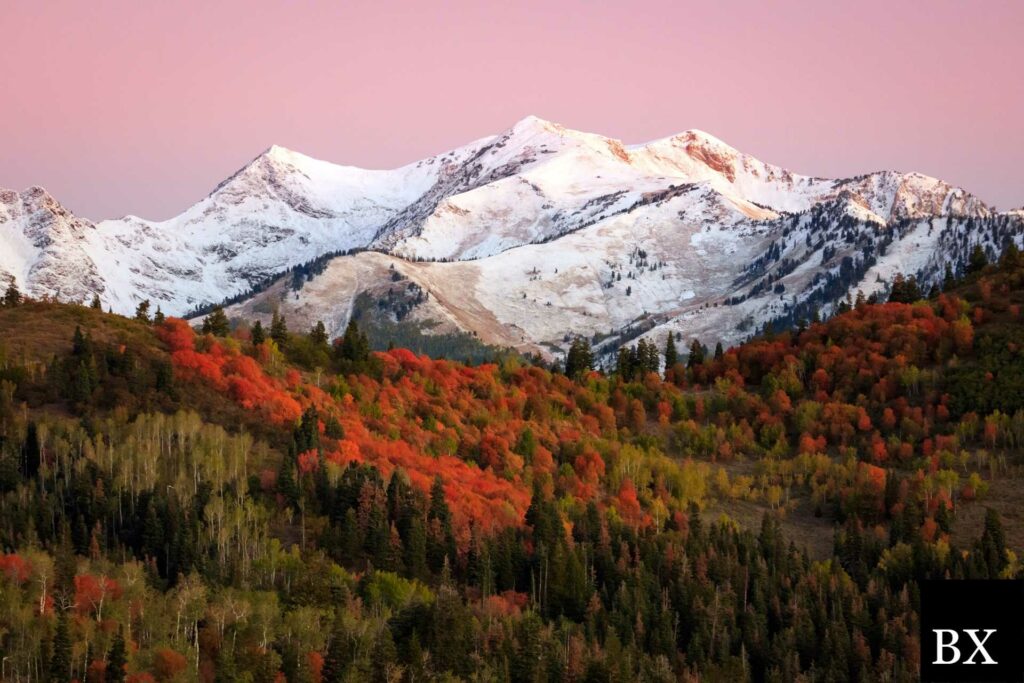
<point>698,210</point>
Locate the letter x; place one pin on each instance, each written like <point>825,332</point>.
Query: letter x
<point>973,633</point>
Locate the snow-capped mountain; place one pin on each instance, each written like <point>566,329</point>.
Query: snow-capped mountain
<point>521,239</point>
<point>44,245</point>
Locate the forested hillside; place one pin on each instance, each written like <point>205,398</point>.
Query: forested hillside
<point>259,504</point>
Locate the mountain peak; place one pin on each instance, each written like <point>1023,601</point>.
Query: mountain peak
<point>278,152</point>
<point>695,135</point>
<point>34,195</point>
<point>535,124</point>
<point>693,138</point>
<point>531,120</point>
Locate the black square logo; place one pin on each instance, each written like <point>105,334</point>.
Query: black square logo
<point>972,631</point>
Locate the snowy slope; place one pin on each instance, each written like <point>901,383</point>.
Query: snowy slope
<point>522,238</point>
<point>692,265</point>
<point>282,209</point>
<point>43,247</point>
<point>565,180</point>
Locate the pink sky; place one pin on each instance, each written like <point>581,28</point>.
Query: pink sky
<point>143,107</point>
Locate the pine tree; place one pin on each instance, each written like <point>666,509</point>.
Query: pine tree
<point>216,323</point>
<point>60,656</point>
<point>142,311</point>
<point>948,279</point>
<point>719,351</point>
<point>415,555</point>
<point>354,346</point>
<point>307,434</point>
<point>1011,256</point>
<point>417,665</point>
<point>31,453</point>
<point>337,659</point>
<point>580,359</point>
<point>96,305</point>
<point>993,544</point>
<point>279,330</point>
<point>153,531</point>
<point>286,484</point>
<point>904,290</point>
<point>671,354</point>
<point>977,260</point>
<point>159,317</point>
<point>625,363</point>
<point>440,538</point>
<point>318,335</point>
<point>258,335</point>
<point>79,344</point>
<point>12,297</point>
<point>116,660</point>
<point>696,354</point>
<point>646,358</point>
<point>383,657</point>
<point>450,629</point>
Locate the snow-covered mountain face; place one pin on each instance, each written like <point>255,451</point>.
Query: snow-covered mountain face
<point>522,239</point>
<point>43,244</point>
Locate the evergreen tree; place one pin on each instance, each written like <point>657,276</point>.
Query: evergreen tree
<point>625,363</point>
<point>307,434</point>
<point>286,484</point>
<point>415,554</point>
<point>671,354</point>
<point>354,346</point>
<point>977,260</point>
<point>79,343</point>
<point>948,279</point>
<point>142,311</point>
<point>116,660</point>
<point>650,357</point>
<point>904,290</point>
<point>96,305</point>
<point>1011,256</point>
<point>993,544</point>
<point>216,323</point>
<point>318,335</point>
<point>12,297</point>
<point>719,351</point>
<point>31,453</point>
<point>158,317</point>
<point>696,356</point>
<point>450,629</point>
<point>153,531</point>
<point>440,539</point>
<point>338,652</point>
<point>417,666</point>
<point>580,359</point>
<point>384,657</point>
<point>258,335</point>
<point>60,652</point>
<point>279,330</point>
<point>543,519</point>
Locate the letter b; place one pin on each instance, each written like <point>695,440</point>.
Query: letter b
<point>941,644</point>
